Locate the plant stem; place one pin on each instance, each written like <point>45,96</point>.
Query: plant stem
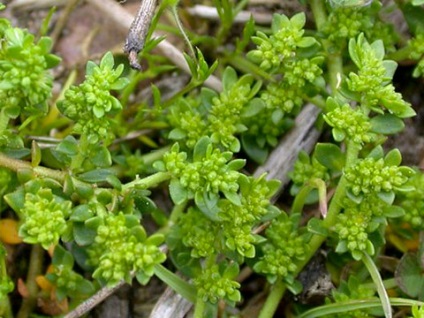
<point>5,308</point>
<point>16,165</point>
<point>199,308</point>
<point>148,182</point>
<point>35,269</point>
<point>334,60</point>
<point>273,299</point>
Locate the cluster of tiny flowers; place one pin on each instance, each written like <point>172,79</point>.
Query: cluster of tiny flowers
<point>371,205</point>
<point>413,202</point>
<point>212,286</point>
<point>25,82</point>
<point>123,251</point>
<point>272,51</point>
<point>237,226</point>
<point>189,125</point>
<point>210,173</point>
<point>88,103</point>
<point>345,23</point>
<point>224,116</point>
<point>371,79</point>
<point>299,72</point>
<point>304,170</point>
<point>352,227</point>
<point>44,217</point>
<point>370,176</point>
<point>353,124</point>
<point>197,233</point>
<point>284,248</point>
<point>282,96</point>
<point>66,279</point>
<point>417,51</point>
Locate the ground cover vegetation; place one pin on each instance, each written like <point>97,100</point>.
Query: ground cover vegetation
<point>179,201</point>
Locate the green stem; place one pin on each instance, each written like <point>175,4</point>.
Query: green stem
<point>319,12</point>
<point>299,200</point>
<point>148,182</point>
<point>199,308</point>
<point>153,156</point>
<point>334,60</point>
<point>246,66</point>
<point>375,275</point>
<point>401,54</point>
<point>16,165</point>
<point>5,308</point>
<point>273,300</point>
<point>35,269</point>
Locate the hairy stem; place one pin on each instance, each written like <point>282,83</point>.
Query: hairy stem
<point>148,182</point>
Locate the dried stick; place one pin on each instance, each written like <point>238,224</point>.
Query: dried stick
<point>303,136</point>
<point>138,31</point>
<point>94,300</point>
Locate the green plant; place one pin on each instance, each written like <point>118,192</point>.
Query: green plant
<point>93,189</point>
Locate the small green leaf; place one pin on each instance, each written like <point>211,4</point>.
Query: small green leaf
<point>68,146</point>
<point>394,211</point>
<point>386,124</point>
<point>62,257</point>
<point>114,182</point>
<point>378,48</point>
<point>229,78</point>
<point>179,194</point>
<point>253,150</point>
<point>119,84</point>
<point>155,239</point>
<point>208,204</point>
<point>16,200</point>
<point>101,157</point>
<point>97,175</point>
<point>90,67</point>
<point>177,134</point>
<point>85,287</point>
<point>253,108</point>
<point>298,20</point>
<point>387,197</point>
<point>306,41</point>
<point>236,164</point>
<point>81,213</point>
<point>330,156</point>
<point>393,158</point>
<point>233,197</point>
<point>107,61</point>
<point>144,204</point>
<point>200,148</point>
<point>83,235</point>
<point>315,226</point>
<point>409,277</point>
